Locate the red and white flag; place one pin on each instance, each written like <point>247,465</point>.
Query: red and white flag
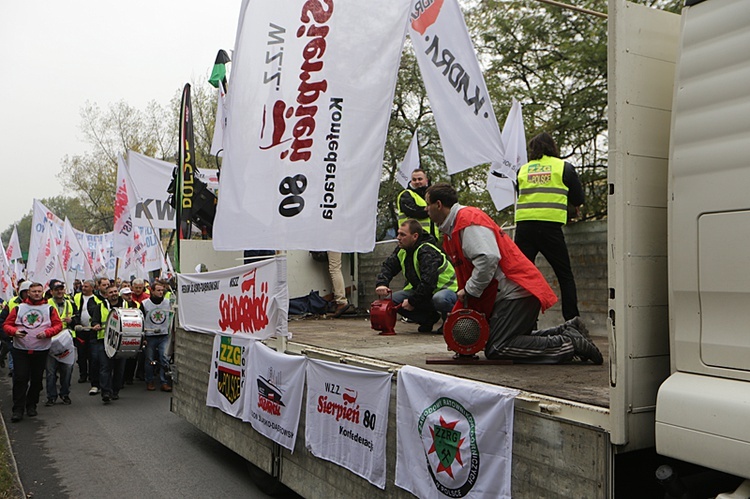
<point>304,141</point>
<point>47,265</point>
<point>42,222</point>
<point>73,257</point>
<point>13,251</point>
<point>6,276</point>
<point>469,132</point>
<point>125,202</point>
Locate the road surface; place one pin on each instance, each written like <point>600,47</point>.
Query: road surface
<point>133,447</point>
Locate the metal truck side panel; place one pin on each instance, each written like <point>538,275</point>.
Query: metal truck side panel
<point>641,55</point>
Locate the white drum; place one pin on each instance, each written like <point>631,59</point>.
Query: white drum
<point>124,336</point>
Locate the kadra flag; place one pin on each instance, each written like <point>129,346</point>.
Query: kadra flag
<point>307,115</point>
<point>454,436</point>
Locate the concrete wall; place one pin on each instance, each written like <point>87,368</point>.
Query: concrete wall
<point>587,244</point>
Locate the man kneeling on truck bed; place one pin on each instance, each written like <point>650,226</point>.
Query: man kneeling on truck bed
<point>495,278</point>
<point>430,291</point>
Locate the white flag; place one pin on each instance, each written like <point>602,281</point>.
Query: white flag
<point>347,417</point>
<point>217,142</point>
<point>226,383</point>
<point>455,86</point>
<point>304,141</point>
<point>125,201</point>
<point>6,276</point>
<point>502,175</point>
<point>454,436</point>
<point>42,221</point>
<point>47,265</point>
<point>410,162</point>
<point>13,251</point>
<point>72,256</point>
<point>151,178</point>
<point>274,400</point>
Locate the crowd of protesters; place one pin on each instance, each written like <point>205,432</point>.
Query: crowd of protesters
<point>46,329</point>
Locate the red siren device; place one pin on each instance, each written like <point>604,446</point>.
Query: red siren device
<point>383,316</point>
<point>466,331</point>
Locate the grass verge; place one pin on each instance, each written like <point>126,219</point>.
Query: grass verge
<point>8,480</point>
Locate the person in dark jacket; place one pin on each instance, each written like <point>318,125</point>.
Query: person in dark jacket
<point>430,290</point>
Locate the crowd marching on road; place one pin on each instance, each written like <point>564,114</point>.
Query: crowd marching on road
<point>49,330</point>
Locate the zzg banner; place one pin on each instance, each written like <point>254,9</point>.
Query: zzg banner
<point>226,386</point>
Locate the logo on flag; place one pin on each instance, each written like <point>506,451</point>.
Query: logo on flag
<point>424,14</point>
<point>449,429</point>
<point>269,395</point>
<point>248,311</point>
<point>231,362</point>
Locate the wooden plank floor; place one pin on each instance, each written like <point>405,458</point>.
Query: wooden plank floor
<point>584,383</point>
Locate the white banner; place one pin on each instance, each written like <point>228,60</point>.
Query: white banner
<point>62,347</point>
<point>454,436</point>
<point>274,409</point>
<point>251,300</point>
<point>151,178</point>
<point>99,252</point>
<point>347,417</point>
<point>226,384</point>
<point>410,162</point>
<point>304,142</point>
<point>502,175</point>
<point>455,86</point>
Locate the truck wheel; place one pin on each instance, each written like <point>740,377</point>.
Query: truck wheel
<point>266,483</point>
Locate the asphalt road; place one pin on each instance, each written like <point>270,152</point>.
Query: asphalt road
<point>133,447</point>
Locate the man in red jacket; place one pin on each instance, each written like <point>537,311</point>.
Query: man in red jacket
<point>31,324</point>
<point>495,278</point>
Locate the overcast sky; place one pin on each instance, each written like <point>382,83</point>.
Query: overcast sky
<point>56,55</point>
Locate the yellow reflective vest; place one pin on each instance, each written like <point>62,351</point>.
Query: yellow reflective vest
<point>426,223</point>
<point>446,278</point>
<point>542,195</point>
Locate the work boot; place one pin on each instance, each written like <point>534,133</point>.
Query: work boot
<point>341,309</point>
<point>150,386</point>
<point>426,327</point>
<point>578,324</point>
<point>584,348</point>
<point>166,388</point>
<point>50,402</point>
<point>66,400</point>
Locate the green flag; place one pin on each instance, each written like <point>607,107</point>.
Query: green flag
<point>219,73</point>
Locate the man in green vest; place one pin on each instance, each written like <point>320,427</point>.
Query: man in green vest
<point>430,291</point>
<point>547,188</point>
<point>410,203</point>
